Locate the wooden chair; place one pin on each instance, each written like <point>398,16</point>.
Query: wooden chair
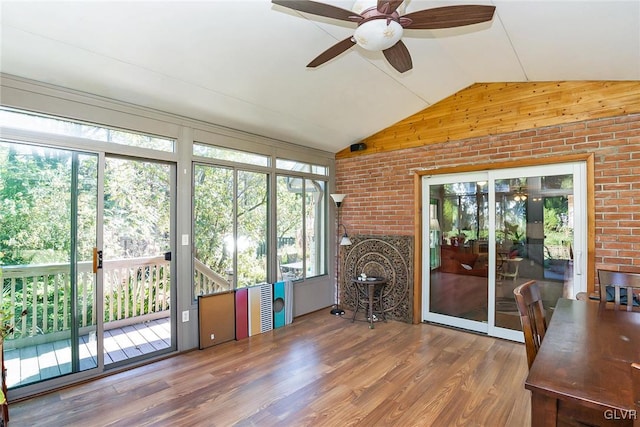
<point>532,317</point>
<point>612,285</point>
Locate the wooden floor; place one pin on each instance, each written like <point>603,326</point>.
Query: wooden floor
<point>40,362</point>
<point>322,370</point>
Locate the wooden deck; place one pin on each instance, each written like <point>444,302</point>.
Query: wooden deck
<point>40,362</point>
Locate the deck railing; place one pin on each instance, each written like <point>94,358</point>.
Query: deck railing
<point>206,281</point>
<point>132,288</point>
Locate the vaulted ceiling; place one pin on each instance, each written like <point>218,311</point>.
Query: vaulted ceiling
<point>242,63</point>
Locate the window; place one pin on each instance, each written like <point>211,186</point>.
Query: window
<point>234,193</point>
<point>204,150</point>
<point>230,228</point>
<point>292,165</point>
<point>251,219</point>
<point>301,227</point>
<point>212,229</point>
<point>30,121</point>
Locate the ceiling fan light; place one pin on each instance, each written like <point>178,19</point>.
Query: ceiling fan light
<point>376,35</point>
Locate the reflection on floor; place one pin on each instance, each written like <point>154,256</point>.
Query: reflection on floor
<point>466,297</point>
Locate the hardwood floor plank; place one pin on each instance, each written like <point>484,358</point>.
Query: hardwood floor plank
<point>321,370</point>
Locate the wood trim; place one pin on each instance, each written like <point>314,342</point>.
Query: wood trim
<point>588,158</point>
<point>486,109</point>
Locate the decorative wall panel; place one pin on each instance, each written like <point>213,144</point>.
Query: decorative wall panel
<point>390,257</point>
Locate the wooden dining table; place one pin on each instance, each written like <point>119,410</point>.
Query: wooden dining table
<point>582,372</point>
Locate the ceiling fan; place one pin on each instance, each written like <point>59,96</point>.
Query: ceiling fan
<point>380,26</point>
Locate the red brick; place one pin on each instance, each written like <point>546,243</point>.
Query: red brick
<point>385,180</point>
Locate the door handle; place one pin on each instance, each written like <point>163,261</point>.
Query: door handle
<point>97,260</point>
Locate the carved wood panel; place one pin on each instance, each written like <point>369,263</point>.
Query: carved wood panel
<point>390,257</point>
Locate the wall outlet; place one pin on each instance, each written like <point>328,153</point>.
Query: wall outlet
<point>185,316</point>
<point>213,337</point>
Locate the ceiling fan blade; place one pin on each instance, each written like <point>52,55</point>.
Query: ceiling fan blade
<point>388,6</point>
<point>320,9</point>
<point>332,52</point>
<point>449,16</point>
<point>398,56</point>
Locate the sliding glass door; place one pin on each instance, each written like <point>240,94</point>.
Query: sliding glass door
<point>85,261</point>
<point>137,224</point>
<point>492,231</point>
<point>48,232</point>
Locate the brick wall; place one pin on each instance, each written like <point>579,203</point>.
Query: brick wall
<point>380,186</point>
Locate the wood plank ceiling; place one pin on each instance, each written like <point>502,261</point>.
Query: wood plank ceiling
<point>493,108</point>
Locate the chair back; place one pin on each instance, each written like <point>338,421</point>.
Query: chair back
<point>620,288</point>
<point>532,317</point>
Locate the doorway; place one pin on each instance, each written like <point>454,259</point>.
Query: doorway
<point>137,224</point>
<point>85,257</point>
<point>488,232</point>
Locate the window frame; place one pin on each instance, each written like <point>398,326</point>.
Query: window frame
<point>273,173</point>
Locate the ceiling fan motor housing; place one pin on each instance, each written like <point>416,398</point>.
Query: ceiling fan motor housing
<point>359,6</point>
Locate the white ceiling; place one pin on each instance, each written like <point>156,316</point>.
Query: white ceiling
<point>242,63</point>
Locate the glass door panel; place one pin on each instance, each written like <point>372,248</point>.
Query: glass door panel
<point>84,204</point>
<point>458,268</point>
<point>534,231</point>
<point>48,230</point>
<point>137,259</point>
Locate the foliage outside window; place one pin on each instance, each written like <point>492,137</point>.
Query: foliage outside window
<point>232,224</point>
<point>36,185</point>
<point>465,207</point>
<point>251,221</point>
<point>315,195</point>
<point>519,218</point>
<point>230,238</point>
<point>301,228</point>
<point>213,229</point>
